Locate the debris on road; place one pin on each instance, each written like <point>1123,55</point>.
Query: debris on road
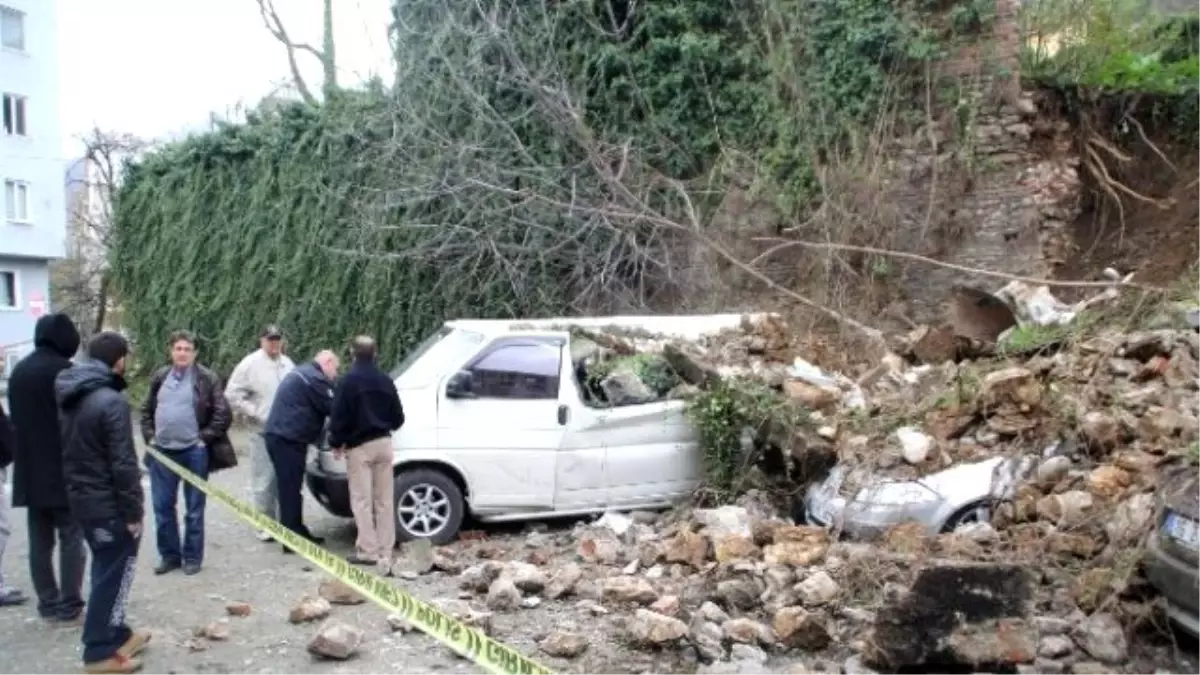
<point>238,608</point>
<point>335,640</point>
<point>310,609</point>
<point>338,592</point>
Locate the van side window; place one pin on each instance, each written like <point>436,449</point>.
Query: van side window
<point>519,371</point>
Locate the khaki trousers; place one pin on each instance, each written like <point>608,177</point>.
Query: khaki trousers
<point>369,469</point>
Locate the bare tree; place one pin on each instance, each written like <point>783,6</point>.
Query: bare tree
<point>80,281</point>
<point>493,206</point>
<point>326,54</point>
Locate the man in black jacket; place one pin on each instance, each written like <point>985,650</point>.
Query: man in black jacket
<point>104,493</point>
<point>9,596</point>
<point>296,421</point>
<point>366,410</point>
<point>38,472</point>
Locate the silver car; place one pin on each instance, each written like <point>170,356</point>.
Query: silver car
<point>1171,558</point>
<point>863,505</point>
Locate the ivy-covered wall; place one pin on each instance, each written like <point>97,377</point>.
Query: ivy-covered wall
<point>259,222</point>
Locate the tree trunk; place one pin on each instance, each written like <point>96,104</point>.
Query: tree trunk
<point>329,52</point>
<point>101,304</point>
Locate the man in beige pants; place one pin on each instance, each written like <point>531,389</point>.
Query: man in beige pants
<point>366,410</point>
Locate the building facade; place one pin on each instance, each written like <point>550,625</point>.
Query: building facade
<point>32,199</point>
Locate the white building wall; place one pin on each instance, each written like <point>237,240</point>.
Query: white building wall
<point>36,158</point>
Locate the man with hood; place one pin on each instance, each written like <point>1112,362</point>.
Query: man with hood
<point>38,470</point>
<point>104,493</point>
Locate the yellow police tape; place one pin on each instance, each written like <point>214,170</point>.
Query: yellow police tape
<point>493,656</point>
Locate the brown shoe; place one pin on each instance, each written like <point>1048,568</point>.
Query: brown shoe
<point>114,664</point>
<point>135,644</point>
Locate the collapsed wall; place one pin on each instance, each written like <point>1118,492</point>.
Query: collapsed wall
<point>991,183</point>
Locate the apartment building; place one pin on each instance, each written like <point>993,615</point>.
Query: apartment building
<point>32,199</point>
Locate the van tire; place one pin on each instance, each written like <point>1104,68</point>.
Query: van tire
<point>411,486</point>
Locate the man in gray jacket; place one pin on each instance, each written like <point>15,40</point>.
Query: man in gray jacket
<point>251,391</point>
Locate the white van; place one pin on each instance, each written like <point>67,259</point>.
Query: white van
<point>497,427</point>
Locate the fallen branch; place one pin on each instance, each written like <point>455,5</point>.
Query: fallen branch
<point>782,244</point>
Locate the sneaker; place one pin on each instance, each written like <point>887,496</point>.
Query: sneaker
<point>265,536</point>
<point>166,566</point>
<point>114,664</point>
<point>11,597</point>
<point>191,568</point>
<point>137,641</point>
<point>356,559</point>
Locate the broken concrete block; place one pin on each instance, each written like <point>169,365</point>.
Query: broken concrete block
<point>957,614</point>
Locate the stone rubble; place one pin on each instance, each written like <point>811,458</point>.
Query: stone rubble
<point>335,640</point>
<point>744,587</point>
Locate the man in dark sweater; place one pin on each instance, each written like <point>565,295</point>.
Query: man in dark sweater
<point>38,471</point>
<point>366,410</point>
<point>296,421</point>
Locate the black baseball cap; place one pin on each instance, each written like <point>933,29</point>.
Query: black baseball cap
<point>272,332</point>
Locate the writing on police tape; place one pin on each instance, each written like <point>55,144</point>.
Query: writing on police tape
<point>471,643</point>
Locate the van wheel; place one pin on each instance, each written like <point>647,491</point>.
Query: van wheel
<point>429,505</point>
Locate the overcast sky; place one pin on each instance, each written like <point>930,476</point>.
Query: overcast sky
<point>159,67</point>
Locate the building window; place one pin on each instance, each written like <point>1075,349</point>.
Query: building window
<point>14,115</point>
<point>12,29</point>
<point>8,290</point>
<point>16,201</point>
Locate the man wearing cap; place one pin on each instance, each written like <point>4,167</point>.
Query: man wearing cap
<point>251,391</point>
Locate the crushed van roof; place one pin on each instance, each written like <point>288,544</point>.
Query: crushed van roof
<point>685,327</point>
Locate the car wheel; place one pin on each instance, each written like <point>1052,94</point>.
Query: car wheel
<point>978,512</point>
<point>429,505</point>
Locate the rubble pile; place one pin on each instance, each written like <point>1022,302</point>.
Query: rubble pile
<point>738,589</point>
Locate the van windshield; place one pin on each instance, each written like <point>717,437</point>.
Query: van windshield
<point>417,353</point>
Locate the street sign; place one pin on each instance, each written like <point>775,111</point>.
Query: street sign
<point>37,305</point>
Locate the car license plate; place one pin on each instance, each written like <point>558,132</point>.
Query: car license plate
<point>1181,529</point>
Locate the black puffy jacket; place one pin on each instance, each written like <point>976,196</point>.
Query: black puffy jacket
<point>99,460</point>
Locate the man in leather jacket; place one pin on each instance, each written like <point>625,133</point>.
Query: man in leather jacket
<point>187,418</point>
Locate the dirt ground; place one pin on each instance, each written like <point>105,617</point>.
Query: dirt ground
<point>238,567</point>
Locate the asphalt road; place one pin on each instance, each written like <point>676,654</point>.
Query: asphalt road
<point>238,567</point>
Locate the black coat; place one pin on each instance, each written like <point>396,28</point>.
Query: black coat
<point>37,459</point>
<point>99,459</point>
<point>366,406</point>
<point>301,405</point>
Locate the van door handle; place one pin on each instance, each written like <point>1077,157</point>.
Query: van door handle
<point>564,413</point>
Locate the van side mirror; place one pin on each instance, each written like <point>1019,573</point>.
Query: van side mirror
<point>459,385</point>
